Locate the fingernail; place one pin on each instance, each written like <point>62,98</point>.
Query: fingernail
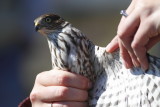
<point>136,64</point>
<point>89,85</point>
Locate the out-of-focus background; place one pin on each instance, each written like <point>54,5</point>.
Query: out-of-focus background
<point>24,53</point>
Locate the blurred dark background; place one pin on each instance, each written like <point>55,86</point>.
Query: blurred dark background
<point>24,53</point>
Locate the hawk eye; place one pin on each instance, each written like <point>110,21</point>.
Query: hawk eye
<point>48,20</point>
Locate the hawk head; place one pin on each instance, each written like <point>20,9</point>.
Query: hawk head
<point>48,23</point>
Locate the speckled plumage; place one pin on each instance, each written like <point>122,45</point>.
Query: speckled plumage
<point>114,86</point>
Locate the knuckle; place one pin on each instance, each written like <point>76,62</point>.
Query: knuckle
<point>33,96</point>
<point>62,80</point>
<point>121,36</point>
<point>152,28</point>
<point>39,76</point>
<point>135,46</point>
<point>119,32</point>
<point>62,93</point>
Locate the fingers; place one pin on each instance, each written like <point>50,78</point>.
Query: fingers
<point>131,6</point>
<point>60,88</point>
<point>128,25</point>
<point>125,55</point>
<point>127,29</point>
<point>137,33</point>
<point>141,39</point>
<point>63,78</point>
<point>126,32</point>
<point>113,45</point>
<point>58,93</point>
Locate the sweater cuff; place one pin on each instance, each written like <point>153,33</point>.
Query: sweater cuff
<point>25,103</point>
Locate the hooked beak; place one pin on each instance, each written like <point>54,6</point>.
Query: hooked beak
<point>37,25</point>
<point>37,28</point>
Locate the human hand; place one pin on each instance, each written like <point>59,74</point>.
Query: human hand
<point>60,88</point>
<point>137,33</point>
